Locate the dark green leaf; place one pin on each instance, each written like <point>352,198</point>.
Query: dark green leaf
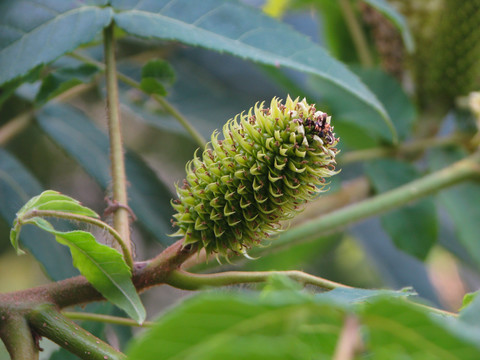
<point>336,33</point>
<point>152,86</point>
<point>8,89</point>
<point>155,75</point>
<point>414,227</point>
<point>64,79</point>
<point>102,266</point>
<point>17,186</point>
<point>461,203</point>
<point>76,134</point>
<point>160,70</point>
<point>397,19</point>
<point>242,31</point>
<point>37,32</point>
<point>348,109</point>
<point>235,326</point>
<point>391,94</point>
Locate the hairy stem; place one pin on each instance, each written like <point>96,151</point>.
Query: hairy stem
<point>49,322</point>
<point>85,219</point>
<point>17,337</point>
<point>167,106</point>
<point>109,319</point>
<point>119,183</point>
<point>188,281</point>
<point>357,33</point>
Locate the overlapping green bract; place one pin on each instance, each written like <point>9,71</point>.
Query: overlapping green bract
<point>270,162</point>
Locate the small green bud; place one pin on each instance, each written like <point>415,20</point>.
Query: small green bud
<point>270,162</point>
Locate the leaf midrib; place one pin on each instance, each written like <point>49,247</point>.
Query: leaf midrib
<point>102,270</point>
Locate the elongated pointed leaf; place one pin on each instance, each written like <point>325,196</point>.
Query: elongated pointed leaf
<point>17,186</point>
<point>38,32</point>
<point>78,136</point>
<point>240,30</point>
<point>397,19</point>
<point>102,266</point>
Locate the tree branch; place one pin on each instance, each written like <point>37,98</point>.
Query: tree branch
<point>49,322</point>
<point>17,336</point>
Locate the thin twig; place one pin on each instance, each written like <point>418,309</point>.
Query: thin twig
<point>167,106</point>
<point>189,281</point>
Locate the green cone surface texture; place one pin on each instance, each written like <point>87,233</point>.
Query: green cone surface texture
<point>269,162</point>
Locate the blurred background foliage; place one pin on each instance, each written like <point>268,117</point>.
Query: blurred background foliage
<point>423,82</point>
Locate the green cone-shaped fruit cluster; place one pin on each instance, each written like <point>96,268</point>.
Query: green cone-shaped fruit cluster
<point>269,162</point>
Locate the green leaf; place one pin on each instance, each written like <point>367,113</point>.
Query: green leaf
<point>395,327</point>
<point>355,295</point>
<point>391,94</point>
<point>335,30</point>
<point>48,200</point>
<point>468,299</point>
<point>414,227</point>
<point>240,30</point>
<point>53,200</point>
<point>64,79</point>
<point>397,19</point>
<point>152,86</point>
<point>155,75</point>
<point>102,266</point>
<point>35,33</point>
<point>17,186</point>
<point>79,137</point>
<point>461,203</point>
<point>237,326</point>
